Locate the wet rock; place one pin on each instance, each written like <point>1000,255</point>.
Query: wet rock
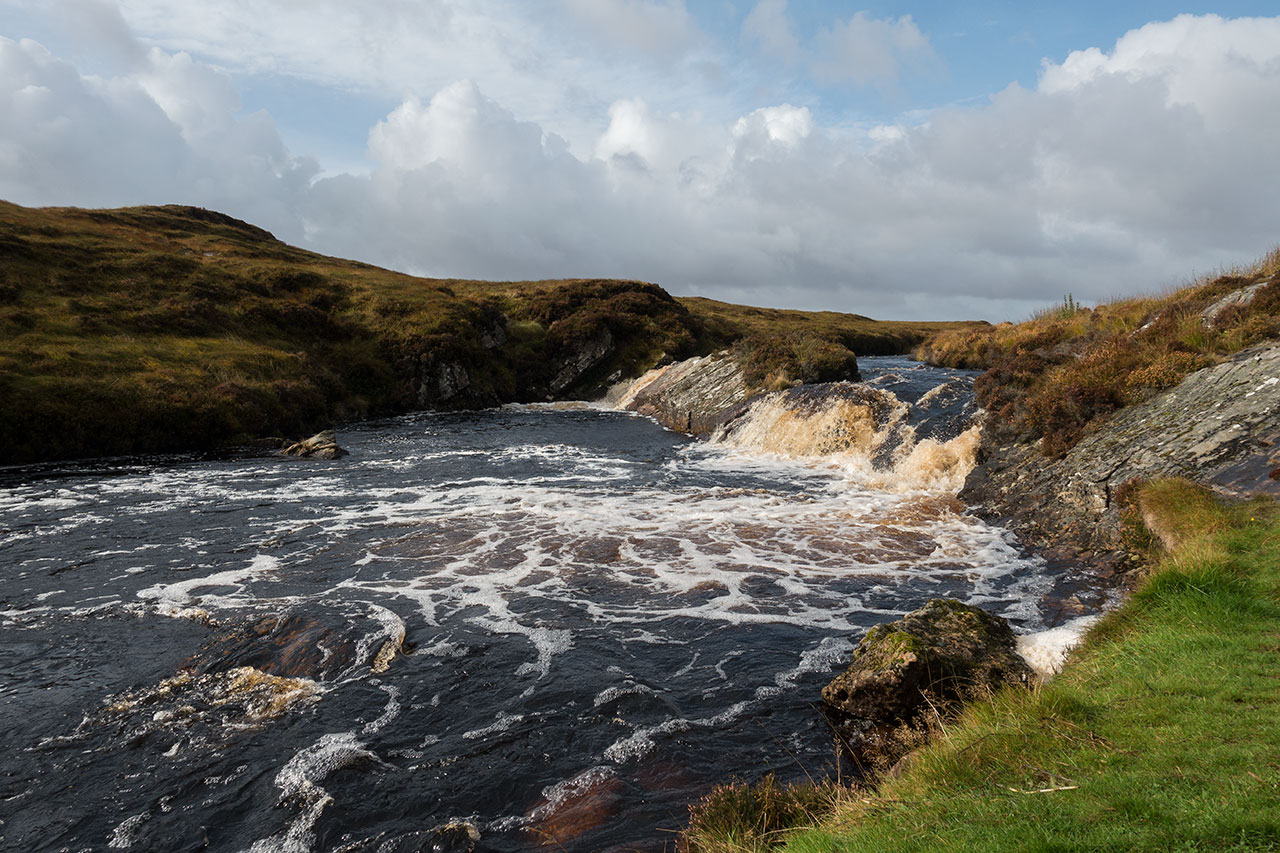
<point>453,837</point>
<point>193,708</point>
<point>690,396</point>
<point>1219,427</point>
<point>299,645</point>
<point>457,837</point>
<point>573,808</point>
<point>942,653</point>
<point>322,445</point>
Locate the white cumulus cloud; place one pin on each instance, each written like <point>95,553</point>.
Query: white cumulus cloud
<point>1124,169</point>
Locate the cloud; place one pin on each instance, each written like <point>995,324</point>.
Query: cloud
<point>872,51</point>
<point>768,26</point>
<point>657,27</point>
<point>98,27</point>
<point>1122,170</point>
<point>165,134</point>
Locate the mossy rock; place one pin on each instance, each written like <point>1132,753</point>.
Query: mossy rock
<point>943,653</point>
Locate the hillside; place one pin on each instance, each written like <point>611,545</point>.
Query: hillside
<point>176,328</point>
<point>1059,375</point>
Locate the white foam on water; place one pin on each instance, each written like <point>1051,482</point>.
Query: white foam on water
<point>1046,651</point>
<point>642,741</point>
<point>299,780</point>
<point>504,722</point>
<point>181,593</point>
<point>389,712</point>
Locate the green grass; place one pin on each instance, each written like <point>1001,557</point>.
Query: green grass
<point>1163,732</point>
<point>1061,373</point>
<point>175,328</point>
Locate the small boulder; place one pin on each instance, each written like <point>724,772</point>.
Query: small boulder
<point>944,653</point>
<point>322,445</point>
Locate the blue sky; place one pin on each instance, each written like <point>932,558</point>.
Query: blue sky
<point>895,159</point>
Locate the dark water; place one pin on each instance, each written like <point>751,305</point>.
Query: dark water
<point>604,619</point>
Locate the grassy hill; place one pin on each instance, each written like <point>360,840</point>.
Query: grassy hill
<point>174,328</point>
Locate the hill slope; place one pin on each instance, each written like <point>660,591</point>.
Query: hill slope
<point>173,328</point>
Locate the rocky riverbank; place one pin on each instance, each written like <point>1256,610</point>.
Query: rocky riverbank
<point>1219,427</point>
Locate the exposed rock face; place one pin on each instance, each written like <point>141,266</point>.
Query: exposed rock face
<point>322,445</point>
<point>944,652</point>
<point>1241,298</point>
<point>1220,427</point>
<point>690,396</point>
<point>577,363</point>
<point>451,380</point>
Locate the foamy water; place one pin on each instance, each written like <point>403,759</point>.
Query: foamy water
<point>596,607</point>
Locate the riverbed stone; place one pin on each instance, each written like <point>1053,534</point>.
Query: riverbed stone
<point>322,445</point>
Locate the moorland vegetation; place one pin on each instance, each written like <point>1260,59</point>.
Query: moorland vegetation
<point>176,328</point>
<point>1061,373</point>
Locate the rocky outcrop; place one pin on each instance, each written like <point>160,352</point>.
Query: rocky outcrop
<point>690,396</point>
<point>322,445</point>
<point>907,673</point>
<point>945,652</point>
<point>1219,427</point>
<point>584,357</point>
<point>1241,298</point>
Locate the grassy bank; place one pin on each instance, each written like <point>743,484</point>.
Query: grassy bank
<point>176,328</point>
<point>777,347</point>
<point>1160,734</point>
<point>1060,374</point>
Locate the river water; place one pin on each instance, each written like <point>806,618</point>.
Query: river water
<point>600,620</point>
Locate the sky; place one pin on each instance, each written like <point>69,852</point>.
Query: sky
<point>903,160</point>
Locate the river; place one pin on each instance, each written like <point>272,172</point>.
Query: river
<point>559,623</point>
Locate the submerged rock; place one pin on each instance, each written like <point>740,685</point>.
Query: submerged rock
<point>299,645</point>
<point>322,445</point>
<point>192,708</point>
<point>930,660</point>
